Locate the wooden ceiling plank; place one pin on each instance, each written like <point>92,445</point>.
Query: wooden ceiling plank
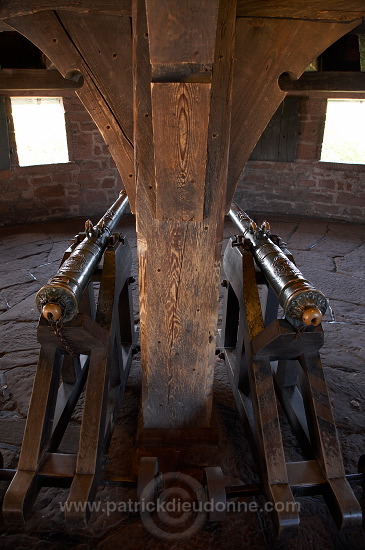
<point>17,8</point>
<point>321,10</point>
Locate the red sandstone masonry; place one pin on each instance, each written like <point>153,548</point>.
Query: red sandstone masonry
<point>308,183</point>
<point>41,180</point>
<point>308,151</point>
<point>314,107</point>
<point>351,199</point>
<point>90,165</point>
<point>108,183</point>
<point>49,191</point>
<point>328,184</point>
<point>64,177</point>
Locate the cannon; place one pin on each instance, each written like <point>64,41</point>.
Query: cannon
<point>302,303</point>
<point>59,299</point>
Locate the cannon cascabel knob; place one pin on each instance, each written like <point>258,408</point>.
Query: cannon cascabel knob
<point>53,311</point>
<point>312,316</point>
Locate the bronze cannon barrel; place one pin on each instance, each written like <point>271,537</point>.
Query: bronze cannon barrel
<point>301,301</point>
<point>60,297</point>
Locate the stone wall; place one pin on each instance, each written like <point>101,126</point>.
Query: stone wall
<point>306,187</point>
<point>85,186</point>
<point>89,183</point>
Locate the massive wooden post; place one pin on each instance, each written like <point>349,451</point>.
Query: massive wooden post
<point>183,74</point>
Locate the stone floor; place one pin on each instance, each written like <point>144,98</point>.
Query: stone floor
<point>330,254</point>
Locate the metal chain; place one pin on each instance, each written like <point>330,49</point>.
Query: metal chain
<point>57,328</point>
<point>299,331</point>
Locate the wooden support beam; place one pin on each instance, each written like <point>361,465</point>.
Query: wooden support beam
<point>324,81</point>
<point>180,170</point>
<point>361,38</point>
<point>256,93</point>
<point>320,10</point>
<point>17,8</point>
<point>189,31</point>
<point>46,30</point>
<point>37,79</point>
<point>4,27</point>
<point>108,56</point>
<point>179,223</point>
<point>5,161</point>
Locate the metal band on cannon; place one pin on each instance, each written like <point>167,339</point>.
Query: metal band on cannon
<point>60,297</point>
<point>302,303</point>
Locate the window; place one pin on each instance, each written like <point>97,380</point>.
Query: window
<point>343,139</point>
<point>40,131</point>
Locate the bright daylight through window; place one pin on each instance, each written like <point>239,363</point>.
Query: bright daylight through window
<point>343,139</point>
<point>40,130</point>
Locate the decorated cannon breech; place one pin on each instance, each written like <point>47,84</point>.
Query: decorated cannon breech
<point>59,299</point>
<point>302,303</point>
